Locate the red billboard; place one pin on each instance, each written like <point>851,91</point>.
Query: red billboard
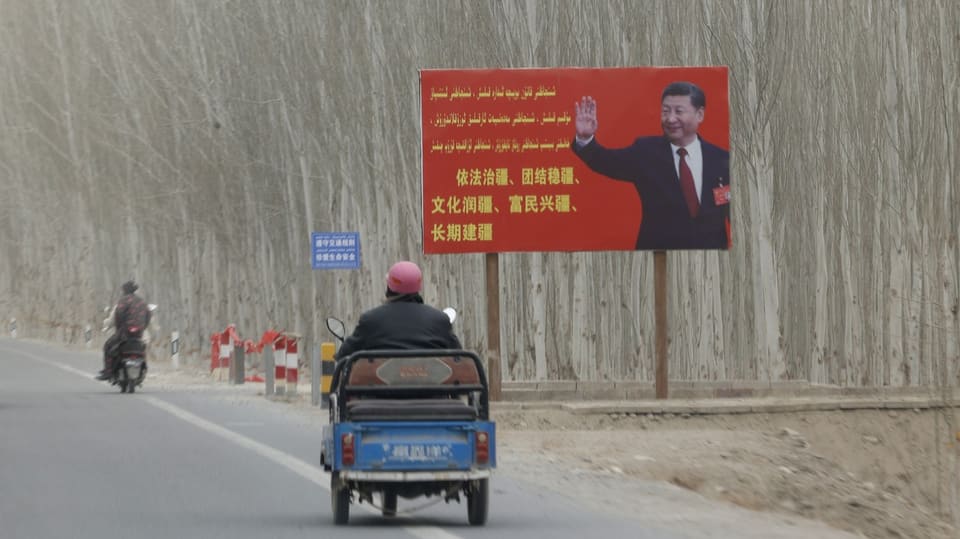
<point>575,159</point>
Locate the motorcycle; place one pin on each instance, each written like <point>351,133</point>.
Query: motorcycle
<point>130,369</point>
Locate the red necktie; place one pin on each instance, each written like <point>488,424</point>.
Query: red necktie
<point>687,186</point>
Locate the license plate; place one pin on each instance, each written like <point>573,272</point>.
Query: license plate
<point>134,369</point>
<point>419,452</point>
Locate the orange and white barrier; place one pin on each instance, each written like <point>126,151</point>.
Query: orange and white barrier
<point>280,364</point>
<point>214,352</point>
<point>293,360</point>
<point>221,351</point>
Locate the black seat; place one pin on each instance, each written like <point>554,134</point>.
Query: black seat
<point>441,409</point>
<point>132,347</point>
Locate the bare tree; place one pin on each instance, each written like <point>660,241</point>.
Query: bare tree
<point>195,146</point>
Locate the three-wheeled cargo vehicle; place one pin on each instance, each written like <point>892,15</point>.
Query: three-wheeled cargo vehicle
<point>409,424</point>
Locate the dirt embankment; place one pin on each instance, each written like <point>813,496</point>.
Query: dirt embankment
<point>878,473</point>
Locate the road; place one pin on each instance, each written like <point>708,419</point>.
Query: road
<point>79,459</point>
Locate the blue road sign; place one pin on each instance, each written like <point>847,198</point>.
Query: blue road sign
<point>335,250</point>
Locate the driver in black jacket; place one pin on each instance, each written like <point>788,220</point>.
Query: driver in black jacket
<point>131,316</point>
<point>403,322</point>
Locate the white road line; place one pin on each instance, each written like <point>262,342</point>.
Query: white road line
<point>68,368</point>
<point>295,465</point>
<point>244,423</point>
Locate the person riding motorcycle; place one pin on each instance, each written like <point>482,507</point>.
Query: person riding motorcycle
<point>403,322</point>
<point>131,316</point>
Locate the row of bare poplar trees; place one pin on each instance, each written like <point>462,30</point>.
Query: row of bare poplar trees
<point>195,145</point>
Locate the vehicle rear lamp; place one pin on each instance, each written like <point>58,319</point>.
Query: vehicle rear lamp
<point>346,443</point>
<point>482,446</point>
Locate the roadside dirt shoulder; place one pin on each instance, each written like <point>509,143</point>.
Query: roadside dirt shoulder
<point>877,473</point>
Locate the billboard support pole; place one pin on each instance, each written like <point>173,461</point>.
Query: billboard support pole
<point>660,310</point>
<point>493,324</point>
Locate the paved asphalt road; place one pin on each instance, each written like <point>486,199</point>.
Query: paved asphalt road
<point>78,459</point>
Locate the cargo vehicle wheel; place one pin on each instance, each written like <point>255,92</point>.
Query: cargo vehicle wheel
<point>339,499</point>
<point>478,497</point>
<point>389,503</point>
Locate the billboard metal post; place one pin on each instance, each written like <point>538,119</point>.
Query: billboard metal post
<point>660,309</point>
<point>493,324</point>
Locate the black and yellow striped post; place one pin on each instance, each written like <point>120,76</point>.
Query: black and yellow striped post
<point>327,363</point>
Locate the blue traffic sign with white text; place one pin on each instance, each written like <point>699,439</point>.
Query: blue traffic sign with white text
<point>335,250</point>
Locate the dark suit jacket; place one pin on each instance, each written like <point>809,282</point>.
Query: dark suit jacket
<point>666,222</point>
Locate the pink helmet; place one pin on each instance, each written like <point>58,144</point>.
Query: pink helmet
<point>404,278</point>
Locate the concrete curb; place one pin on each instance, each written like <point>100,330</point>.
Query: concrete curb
<point>733,406</point>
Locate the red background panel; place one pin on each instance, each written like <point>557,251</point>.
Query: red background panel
<point>467,114</point>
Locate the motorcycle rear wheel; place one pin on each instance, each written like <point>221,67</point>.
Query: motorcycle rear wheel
<point>126,384</point>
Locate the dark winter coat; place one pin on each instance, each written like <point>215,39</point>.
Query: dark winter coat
<point>405,323</point>
<point>131,316</point>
